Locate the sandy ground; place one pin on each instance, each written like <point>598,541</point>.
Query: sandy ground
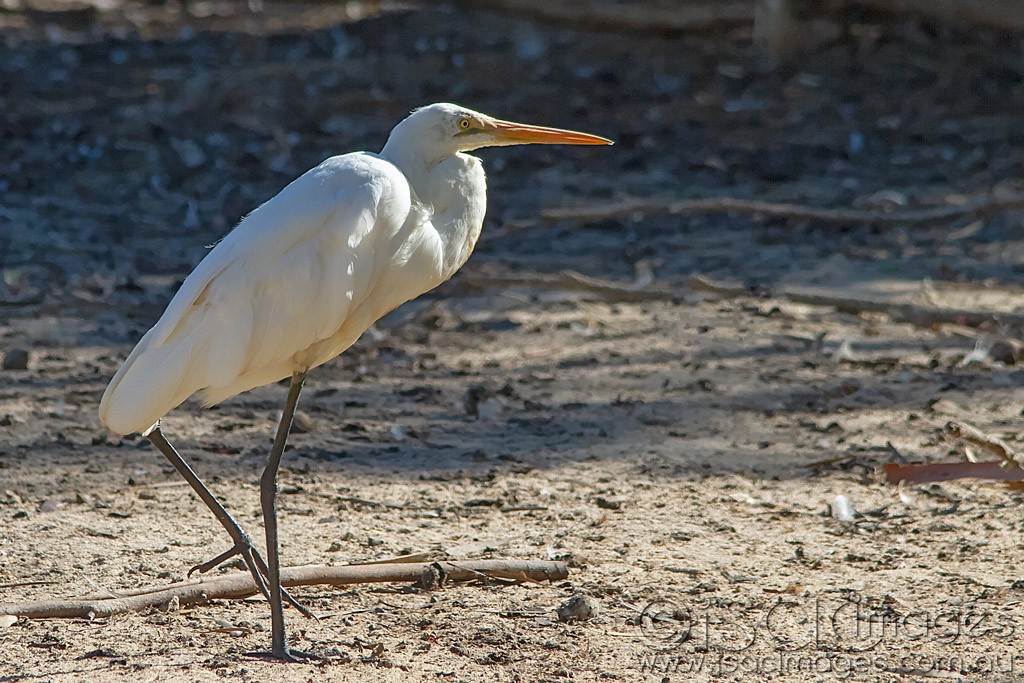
<point>683,456</point>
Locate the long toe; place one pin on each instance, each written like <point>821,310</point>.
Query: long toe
<point>238,549</point>
<point>303,610</point>
<point>289,655</point>
<point>257,568</point>
<point>285,595</point>
<point>244,549</point>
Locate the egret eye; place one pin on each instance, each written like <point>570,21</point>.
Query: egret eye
<point>464,124</point>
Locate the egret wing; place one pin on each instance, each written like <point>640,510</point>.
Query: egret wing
<point>286,278</point>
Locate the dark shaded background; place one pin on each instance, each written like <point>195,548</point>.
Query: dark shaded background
<point>121,156</point>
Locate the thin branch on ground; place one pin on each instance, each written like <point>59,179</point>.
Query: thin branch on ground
<point>1002,14</point>
<point>19,584</point>
<point>397,559</point>
<point>923,473</point>
<point>523,508</point>
<point>371,503</point>
<point>924,316</point>
<point>993,444</point>
<point>567,280</point>
<point>240,585</point>
<point>715,16</point>
<point>1006,469</point>
<point>978,206</point>
<point>636,18</point>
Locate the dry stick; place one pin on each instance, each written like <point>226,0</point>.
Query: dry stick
<point>524,508</point>
<point>240,585</point>
<point>681,18</point>
<point>922,473</point>
<point>981,205</point>
<point>635,18</point>
<point>19,584</point>
<point>567,279</point>
<point>398,559</point>
<point>371,503</point>
<point>925,316</point>
<point>1004,14</point>
<point>1007,469</point>
<point>993,444</point>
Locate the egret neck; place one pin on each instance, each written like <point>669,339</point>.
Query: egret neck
<point>450,187</point>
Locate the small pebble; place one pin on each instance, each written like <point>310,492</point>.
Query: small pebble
<point>578,608</point>
<point>301,424</point>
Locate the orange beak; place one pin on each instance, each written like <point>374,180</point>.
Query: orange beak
<point>510,133</point>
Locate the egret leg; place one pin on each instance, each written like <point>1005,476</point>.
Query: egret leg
<point>243,542</point>
<point>268,498</point>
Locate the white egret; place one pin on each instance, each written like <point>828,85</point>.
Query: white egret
<point>301,278</point>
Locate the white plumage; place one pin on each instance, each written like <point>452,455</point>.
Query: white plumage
<point>292,286</point>
<point>302,277</point>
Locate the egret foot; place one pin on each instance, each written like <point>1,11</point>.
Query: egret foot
<point>288,655</point>
<point>261,574</point>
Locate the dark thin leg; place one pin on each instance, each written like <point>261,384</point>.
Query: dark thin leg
<point>243,543</point>
<point>268,498</point>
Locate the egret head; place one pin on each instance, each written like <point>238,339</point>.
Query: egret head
<point>440,130</point>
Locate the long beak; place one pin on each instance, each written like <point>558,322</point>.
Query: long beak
<point>509,133</point>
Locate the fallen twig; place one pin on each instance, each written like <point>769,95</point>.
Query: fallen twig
<point>19,584</point>
<point>980,205</point>
<point>924,316</point>
<point>637,18</point>
<point>1007,469</point>
<point>370,503</point>
<point>922,473</point>
<point>681,18</point>
<point>523,508</point>
<point>568,279</point>
<point>241,585</point>
<point>1003,14</point>
<point>993,444</point>
<point>397,559</point>
<point>828,462</point>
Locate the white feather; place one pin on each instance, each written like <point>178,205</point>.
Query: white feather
<point>283,282</point>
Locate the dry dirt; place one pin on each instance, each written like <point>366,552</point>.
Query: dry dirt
<point>683,456</point>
